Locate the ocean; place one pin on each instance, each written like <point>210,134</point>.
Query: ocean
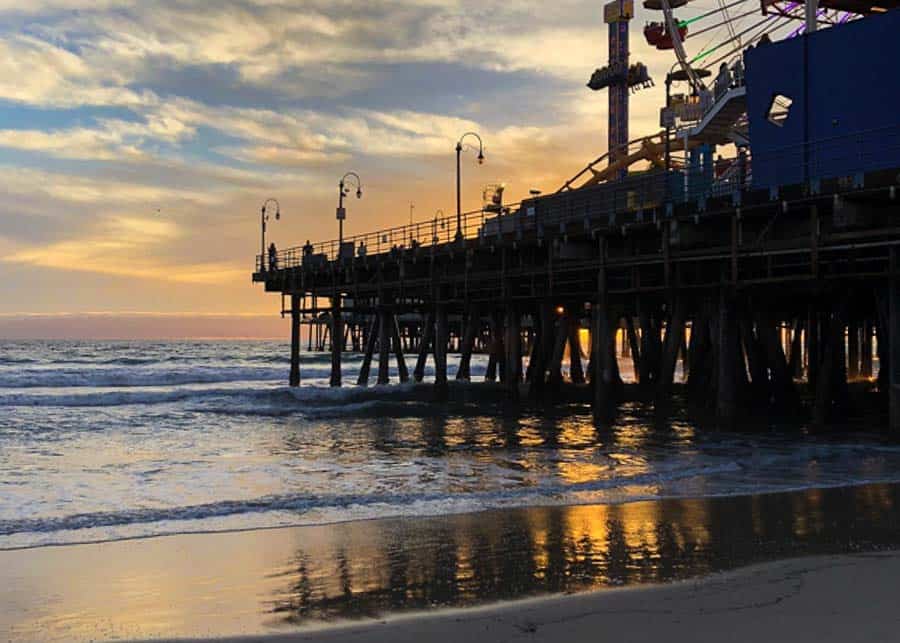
<point>103,441</point>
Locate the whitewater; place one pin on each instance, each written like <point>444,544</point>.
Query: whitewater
<point>111,440</point>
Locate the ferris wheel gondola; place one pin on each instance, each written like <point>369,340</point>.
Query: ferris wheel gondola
<point>728,28</point>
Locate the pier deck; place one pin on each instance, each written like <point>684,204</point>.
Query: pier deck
<point>775,285</point>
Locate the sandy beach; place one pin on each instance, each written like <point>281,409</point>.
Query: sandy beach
<point>626,572</point>
<point>823,599</point>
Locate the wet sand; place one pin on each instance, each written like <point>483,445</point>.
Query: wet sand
<point>297,581</point>
<point>826,599</point>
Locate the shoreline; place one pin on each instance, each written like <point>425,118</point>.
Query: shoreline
<point>429,516</point>
<point>796,599</point>
<point>298,581</point>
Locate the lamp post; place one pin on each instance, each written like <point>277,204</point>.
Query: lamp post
<point>264,217</point>
<point>337,326</point>
<point>459,149</point>
<point>341,212</point>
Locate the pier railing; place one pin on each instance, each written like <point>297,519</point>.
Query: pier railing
<point>420,234</point>
<point>840,156</point>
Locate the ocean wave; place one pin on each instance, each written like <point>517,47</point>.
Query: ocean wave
<point>548,493</point>
<point>313,401</point>
<point>136,377</point>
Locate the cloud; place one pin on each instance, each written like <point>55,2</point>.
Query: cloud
<point>122,246</point>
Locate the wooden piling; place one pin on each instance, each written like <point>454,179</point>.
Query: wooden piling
<point>781,382</point>
<point>337,340</point>
<point>294,378</point>
<point>865,362</point>
<point>513,344</point>
<point>558,351</point>
<point>727,350</point>
<point>853,349</point>
<point>602,385</point>
<point>384,345</point>
<point>650,349</point>
<point>671,346</point>
<point>473,324</point>
<point>832,335</point>
<point>441,338</point>
<point>371,338</point>
<point>576,370</point>
<point>795,362</point>
<point>893,364</point>
<point>402,371</point>
<point>425,342</point>
<point>701,376</point>
<point>813,346</point>
<point>634,347</point>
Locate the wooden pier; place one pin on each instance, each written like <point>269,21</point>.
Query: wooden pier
<point>758,291</point>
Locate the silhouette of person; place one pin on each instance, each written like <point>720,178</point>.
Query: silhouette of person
<point>273,257</point>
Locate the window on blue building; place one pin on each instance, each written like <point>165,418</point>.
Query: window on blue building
<point>779,109</point>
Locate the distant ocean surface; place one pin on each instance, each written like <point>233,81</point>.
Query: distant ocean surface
<point>109,440</point>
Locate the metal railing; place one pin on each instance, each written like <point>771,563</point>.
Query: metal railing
<point>421,234</point>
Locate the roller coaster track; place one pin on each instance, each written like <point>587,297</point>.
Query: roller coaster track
<point>649,148</point>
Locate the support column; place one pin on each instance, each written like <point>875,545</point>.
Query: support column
<point>542,352</point>
<point>795,364</point>
<point>384,345</point>
<point>464,372</point>
<point>513,345</point>
<point>426,339</point>
<point>337,340</point>
<point>674,338</point>
<point>813,347</point>
<point>634,347</point>
<point>650,349</point>
<point>402,371</point>
<point>832,335</point>
<point>440,351</point>
<point>576,370</point>
<point>782,381</point>
<point>726,376</point>
<point>853,346</point>
<point>559,350</point>
<point>371,338</point>
<point>865,365</point>
<point>295,341</point>
<point>700,356</point>
<point>497,359</point>
<point>604,398</point>
<point>894,343</point>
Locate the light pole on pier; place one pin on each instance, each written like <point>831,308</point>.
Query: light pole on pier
<point>459,149</point>
<point>341,212</point>
<point>264,217</point>
<point>337,326</point>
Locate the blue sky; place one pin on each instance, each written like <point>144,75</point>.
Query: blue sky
<point>139,138</point>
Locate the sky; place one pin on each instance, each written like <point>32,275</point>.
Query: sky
<point>139,138</point>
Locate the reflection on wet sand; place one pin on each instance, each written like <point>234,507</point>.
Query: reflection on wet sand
<point>372,568</point>
<point>266,581</point>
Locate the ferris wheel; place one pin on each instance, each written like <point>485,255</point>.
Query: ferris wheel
<point>703,34</point>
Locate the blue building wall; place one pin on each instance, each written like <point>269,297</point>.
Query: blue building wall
<point>845,116</point>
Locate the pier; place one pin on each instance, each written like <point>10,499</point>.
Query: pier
<point>766,272</point>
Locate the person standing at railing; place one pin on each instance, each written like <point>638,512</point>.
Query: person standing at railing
<point>723,81</point>
<point>737,71</point>
<point>273,257</point>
